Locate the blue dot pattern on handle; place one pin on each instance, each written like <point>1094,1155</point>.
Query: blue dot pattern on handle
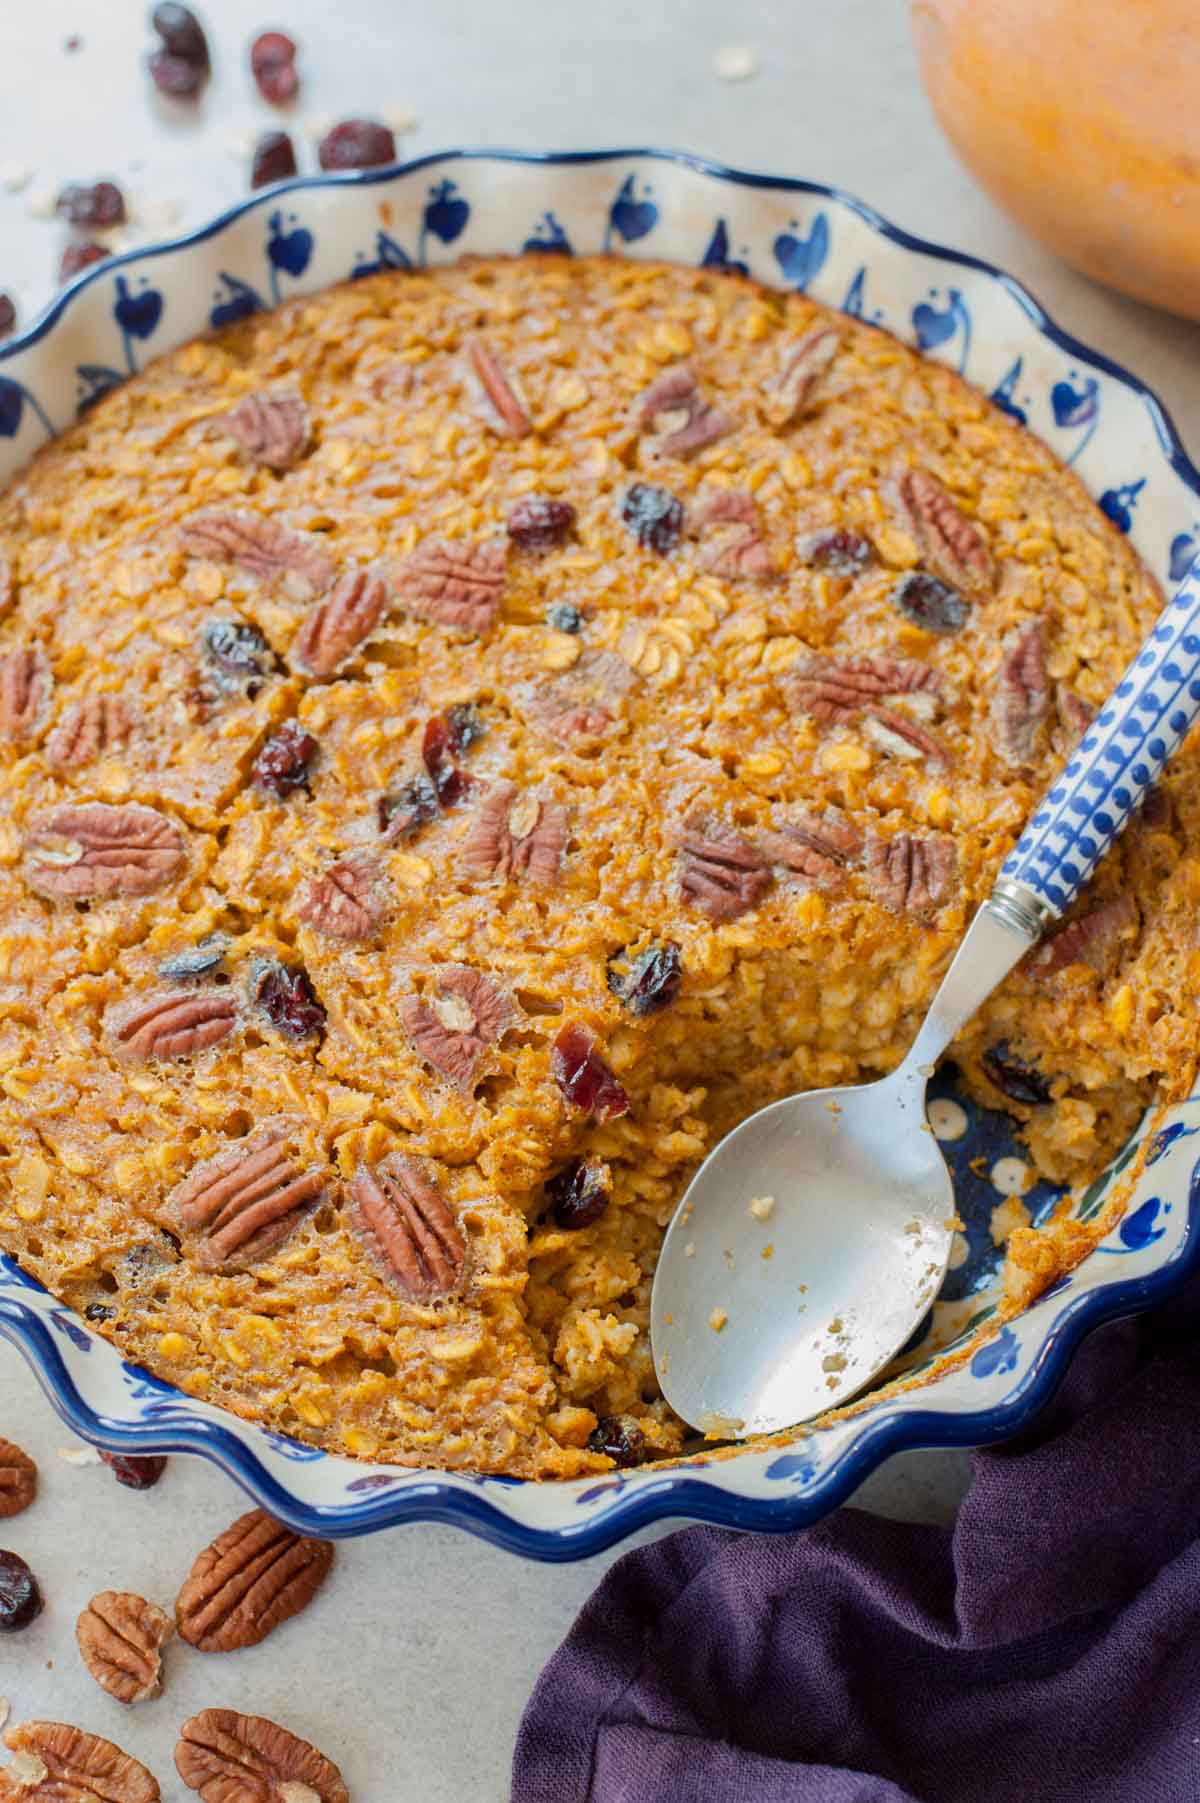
<point>1122,754</point>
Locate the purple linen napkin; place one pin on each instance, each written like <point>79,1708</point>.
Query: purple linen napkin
<point>1048,1648</point>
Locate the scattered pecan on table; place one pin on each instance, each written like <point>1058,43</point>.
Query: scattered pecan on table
<point>264,548</point>
<point>1021,700</point>
<point>720,871</point>
<point>674,411</point>
<point>177,1023</point>
<point>347,901</point>
<point>93,850</point>
<point>242,1205</point>
<point>954,545</point>
<point>455,583</point>
<point>232,1758</point>
<point>1093,937</point>
<point>408,1226</point>
<point>910,874</point>
<point>248,1582</point>
<point>18,1479</point>
<point>339,623</point>
<point>120,1638</point>
<point>799,377</point>
<point>25,687</point>
<point>55,1763</point>
<point>506,410</point>
<point>464,1014</point>
<point>272,429</point>
<point>89,730</point>
<point>515,833</point>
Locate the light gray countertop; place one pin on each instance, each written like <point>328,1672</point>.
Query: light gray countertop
<point>412,1668</point>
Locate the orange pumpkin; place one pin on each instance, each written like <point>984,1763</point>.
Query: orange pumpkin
<point>1083,122</point>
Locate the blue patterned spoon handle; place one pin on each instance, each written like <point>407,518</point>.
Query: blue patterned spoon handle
<point>1119,758</point>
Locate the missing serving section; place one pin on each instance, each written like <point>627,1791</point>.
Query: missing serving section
<point>399,901</point>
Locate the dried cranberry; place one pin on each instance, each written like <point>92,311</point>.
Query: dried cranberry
<point>580,1194</point>
<point>619,1439</point>
<point>466,725</point>
<point>181,32</point>
<point>654,516</point>
<point>1020,1081</point>
<point>437,751</point>
<point>79,256</point>
<point>20,1596</point>
<point>408,807</point>
<point>8,315</point>
<point>274,159</point>
<point>273,63</point>
<point>356,144</point>
<point>285,994</point>
<point>841,552</point>
<point>135,1473</point>
<point>102,204</point>
<point>582,1075</point>
<point>73,43</point>
<point>98,1311</point>
<point>285,762</point>
<point>651,981</point>
<point>175,75</point>
<point>239,656</point>
<point>539,522</point>
<point>929,602</point>
<point>564,617</point>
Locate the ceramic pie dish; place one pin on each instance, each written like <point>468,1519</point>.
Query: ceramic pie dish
<point>310,235</point>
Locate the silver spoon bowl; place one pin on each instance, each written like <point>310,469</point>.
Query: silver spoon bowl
<point>813,1240</point>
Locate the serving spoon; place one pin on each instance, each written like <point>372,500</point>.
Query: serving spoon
<point>815,1236</point>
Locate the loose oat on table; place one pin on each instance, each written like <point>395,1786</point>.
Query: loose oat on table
<point>275,737</point>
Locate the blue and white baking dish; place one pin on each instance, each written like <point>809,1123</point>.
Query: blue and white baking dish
<point>307,234</point>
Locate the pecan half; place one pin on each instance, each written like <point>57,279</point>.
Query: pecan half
<point>1091,938</point>
<point>265,548</point>
<point>232,1758</point>
<point>18,1479</point>
<point>92,850</point>
<point>55,1763</point>
<point>583,702</point>
<point>272,429</point>
<point>818,847</point>
<point>339,623</point>
<point>953,544</point>
<point>347,902</point>
<point>505,410</point>
<point>737,554</point>
<point>722,507</point>
<point>89,729</point>
<point>177,1024</point>
<point>25,683</point>
<point>1022,696</point>
<point>901,736</point>
<point>515,834</point>
<point>120,1637</point>
<point>681,420</point>
<point>244,1203</point>
<point>455,584</point>
<point>408,1226</point>
<point>912,875</point>
<point>8,586</point>
<point>721,873</point>
<point>836,689</point>
<point>804,363</point>
<point>253,1578</point>
<point>467,1013</point>
<point>1075,715</point>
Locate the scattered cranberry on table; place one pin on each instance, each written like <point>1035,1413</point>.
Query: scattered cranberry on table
<point>273,65</point>
<point>135,1473</point>
<point>8,315</point>
<point>20,1595</point>
<point>274,159</point>
<point>78,256</point>
<point>102,204</point>
<point>357,144</point>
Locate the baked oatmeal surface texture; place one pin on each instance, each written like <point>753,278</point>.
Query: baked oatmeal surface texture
<point>468,739</point>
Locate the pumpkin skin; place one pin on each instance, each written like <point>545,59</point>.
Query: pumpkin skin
<point>1083,123</point>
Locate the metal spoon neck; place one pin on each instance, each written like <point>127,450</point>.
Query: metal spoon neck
<point>1007,924</point>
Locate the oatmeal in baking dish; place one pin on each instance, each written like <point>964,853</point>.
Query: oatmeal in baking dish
<point>468,739</point>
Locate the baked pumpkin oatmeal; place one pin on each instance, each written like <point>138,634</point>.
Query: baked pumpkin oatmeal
<point>470,738</point>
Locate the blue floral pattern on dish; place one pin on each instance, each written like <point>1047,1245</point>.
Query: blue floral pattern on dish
<point>935,327</point>
<point>802,256</point>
